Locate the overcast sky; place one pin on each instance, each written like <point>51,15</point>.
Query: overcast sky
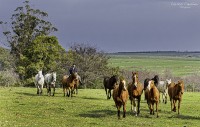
<point>120,25</point>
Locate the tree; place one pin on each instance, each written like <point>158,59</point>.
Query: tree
<point>44,53</point>
<point>92,64</point>
<point>27,24</point>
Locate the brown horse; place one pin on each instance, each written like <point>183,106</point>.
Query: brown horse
<point>135,90</point>
<point>109,83</point>
<point>120,96</point>
<point>175,92</point>
<point>153,97</point>
<point>69,82</point>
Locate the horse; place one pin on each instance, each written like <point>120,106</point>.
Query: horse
<point>175,92</point>
<point>68,82</point>
<point>120,97</point>
<point>50,82</point>
<point>39,82</point>
<point>135,90</point>
<point>109,83</point>
<point>161,85</point>
<point>153,97</point>
<point>76,85</point>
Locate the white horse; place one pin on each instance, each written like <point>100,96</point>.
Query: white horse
<point>50,82</point>
<point>162,87</point>
<point>39,82</point>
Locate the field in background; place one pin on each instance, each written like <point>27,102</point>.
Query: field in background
<point>22,107</point>
<point>179,63</point>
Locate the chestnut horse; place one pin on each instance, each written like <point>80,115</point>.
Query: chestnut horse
<point>120,96</point>
<point>69,83</point>
<point>161,85</point>
<point>153,97</point>
<point>109,83</point>
<point>135,89</point>
<point>175,92</point>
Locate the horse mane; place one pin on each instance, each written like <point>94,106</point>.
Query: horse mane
<point>113,80</point>
<point>72,77</point>
<point>156,80</point>
<point>146,83</point>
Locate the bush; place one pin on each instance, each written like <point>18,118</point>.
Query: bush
<point>9,78</point>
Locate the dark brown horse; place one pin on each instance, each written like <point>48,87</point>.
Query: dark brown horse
<point>109,83</point>
<point>135,89</point>
<point>69,83</point>
<point>175,92</point>
<point>153,96</point>
<point>120,96</point>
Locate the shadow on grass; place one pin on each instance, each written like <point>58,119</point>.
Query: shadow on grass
<point>185,117</point>
<point>34,94</point>
<point>98,113</point>
<point>26,94</point>
<point>92,98</point>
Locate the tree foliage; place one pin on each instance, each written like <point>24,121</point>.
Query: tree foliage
<point>44,53</point>
<point>29,42</point>
<point>92,64</point>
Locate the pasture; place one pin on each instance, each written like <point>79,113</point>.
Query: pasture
<point>21,106</point>
<point>180,64</point>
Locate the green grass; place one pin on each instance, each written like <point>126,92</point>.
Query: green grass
<point>179,66</point>
<point>22,107</point>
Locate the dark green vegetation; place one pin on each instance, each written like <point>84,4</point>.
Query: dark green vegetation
<point>22,107</point>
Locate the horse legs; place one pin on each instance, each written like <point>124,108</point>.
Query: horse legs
<point>109,94</point>
<point>151,108</point>
<point>171,100</point>
<point>68,92</point>
<point>54,89</point>
<point>37,89</point>
<point>76,90</point>
<point>179,103</point>
<point>41,89</point>
<point>118,111</point>
<point>157,108</point>
<point>133,104</point>
<point>49,89</point>
<point>124,110</point>
<point>174,104</point>
<point>64,91</point>
<point>138,111</point>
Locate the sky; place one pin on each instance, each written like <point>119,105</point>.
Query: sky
<point>120,25</point>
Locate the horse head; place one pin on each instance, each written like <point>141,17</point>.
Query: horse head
<point>156,80</point>
<point>150,84</point>
<point>122,84</point>
<point>74,78</point>
<point>180,86</point>
<point>40,74</point>
<point>54,77</point>
<point>135,78</point>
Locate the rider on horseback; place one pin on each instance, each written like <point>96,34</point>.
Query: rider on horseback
<point>72,69</point>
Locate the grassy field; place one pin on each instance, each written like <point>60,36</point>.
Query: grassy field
<point>178,65</point>
<point>22,107</point>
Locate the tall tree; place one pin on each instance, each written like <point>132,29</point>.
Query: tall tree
<point>27,24</point>
<point>92,64</point>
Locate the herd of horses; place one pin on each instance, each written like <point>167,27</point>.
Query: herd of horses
<point>70,83</point>
<point>152,88</point>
